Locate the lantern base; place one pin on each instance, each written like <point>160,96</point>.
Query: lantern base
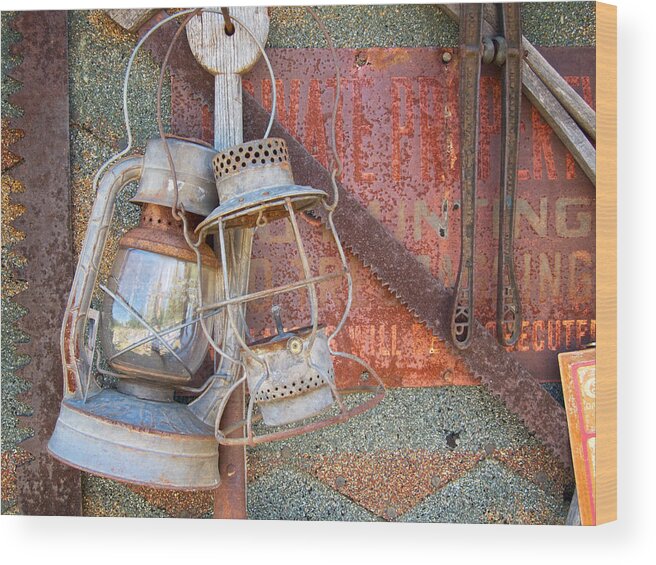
<point>158,444</point>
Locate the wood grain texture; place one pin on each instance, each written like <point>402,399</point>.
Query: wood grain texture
<point>220,53</point>
<point>578,108</point>
<point>228,112</point>
<point>561,122</point>
<point>606,460</point>
<point>227,57</point>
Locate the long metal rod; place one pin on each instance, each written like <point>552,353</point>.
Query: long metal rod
<point>509,311</point>
<point>471,34</point>
<point>271,291</point>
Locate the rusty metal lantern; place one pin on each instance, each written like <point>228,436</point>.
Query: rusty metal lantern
<point>150,334</point>
<point>290,375</point>
<point>168,297</point>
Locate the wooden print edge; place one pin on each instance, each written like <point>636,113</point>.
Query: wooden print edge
<point>606,260</point>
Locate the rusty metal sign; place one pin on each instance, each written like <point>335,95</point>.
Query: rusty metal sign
<point>45,486</point>
<point>428,300</point>
<point>398,134</point>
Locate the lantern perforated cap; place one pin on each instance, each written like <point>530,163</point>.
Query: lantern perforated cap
<point>252,179</point>
<point>193,171</point>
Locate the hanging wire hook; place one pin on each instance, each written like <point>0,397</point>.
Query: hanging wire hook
<point>126,116</point>
<point>338,166</point>
<point>160,125</point>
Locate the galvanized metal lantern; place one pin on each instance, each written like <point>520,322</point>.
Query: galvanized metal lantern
<point>290,375</point>
<point>149,330</point>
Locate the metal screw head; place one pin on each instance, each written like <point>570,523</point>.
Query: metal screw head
<point>446,57</point>
<point>436,481</point>
<point>391,512</point>
<point>340,482</point>
<point>295,345</point>
<point>489,449</point>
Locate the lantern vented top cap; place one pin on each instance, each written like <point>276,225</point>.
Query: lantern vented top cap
<point>242,169</point>
<point>256,175</point>
<point>192,161</point>
<point>268,153</point>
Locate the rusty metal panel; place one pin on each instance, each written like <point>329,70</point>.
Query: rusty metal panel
<point>398,133</point>
<point>45,486</point>
<point>402,162</point>
<point>415,287</point>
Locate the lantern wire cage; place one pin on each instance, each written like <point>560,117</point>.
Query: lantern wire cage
<point>231,303</point>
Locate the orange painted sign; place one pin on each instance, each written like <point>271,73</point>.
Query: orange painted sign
<point>577,371</point>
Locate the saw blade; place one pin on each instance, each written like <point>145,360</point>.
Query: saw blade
<point>411,282</point>
<point>45,486</point>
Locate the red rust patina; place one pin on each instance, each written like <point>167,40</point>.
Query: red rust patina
<point>398,135</point>
<point>411,185</point>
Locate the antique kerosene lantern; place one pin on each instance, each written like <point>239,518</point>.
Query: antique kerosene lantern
<point>290,375</point>
<point>149,330</point>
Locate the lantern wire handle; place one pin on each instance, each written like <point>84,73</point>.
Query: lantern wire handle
<point>126,116</point>
<point>335,173</point>
<point>160,124</point>
<point>338,166</point>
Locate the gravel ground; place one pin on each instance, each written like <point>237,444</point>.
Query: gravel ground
<point>423,25</point>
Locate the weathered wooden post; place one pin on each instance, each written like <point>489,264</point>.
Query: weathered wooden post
<point>228,56</point>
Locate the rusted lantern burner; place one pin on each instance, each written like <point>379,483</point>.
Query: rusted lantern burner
<point>290,375</point>
<point>296,386</point>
